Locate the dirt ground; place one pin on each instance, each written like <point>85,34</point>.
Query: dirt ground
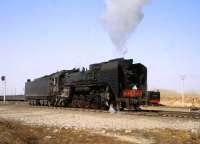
<point>18,133</point>
<point>65,118</point>
<point>23,124</point>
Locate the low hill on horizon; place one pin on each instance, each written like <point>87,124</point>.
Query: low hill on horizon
<point>173,98</point>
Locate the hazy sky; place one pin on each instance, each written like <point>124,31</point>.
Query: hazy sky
<point>38,37</point>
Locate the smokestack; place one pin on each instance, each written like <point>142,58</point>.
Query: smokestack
<point>120,20</point>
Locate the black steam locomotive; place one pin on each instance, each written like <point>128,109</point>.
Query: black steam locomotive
<point>118,83</point>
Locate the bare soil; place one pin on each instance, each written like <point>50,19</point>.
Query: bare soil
<point>23,124</point>
<point>12,132</point>
<point>65,118</point>
<point>17,133</point>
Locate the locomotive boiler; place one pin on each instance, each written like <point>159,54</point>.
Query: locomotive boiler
<point>118,83</point>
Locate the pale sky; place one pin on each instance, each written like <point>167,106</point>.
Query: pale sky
<point>39,37</point>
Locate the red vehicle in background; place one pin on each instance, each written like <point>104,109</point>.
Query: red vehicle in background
<point>152,98</point>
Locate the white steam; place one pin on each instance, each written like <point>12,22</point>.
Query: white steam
<point>111,109</point>
<point>121,19</point>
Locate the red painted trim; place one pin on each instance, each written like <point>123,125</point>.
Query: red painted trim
<point>154,101</point>
<point>132,93</point>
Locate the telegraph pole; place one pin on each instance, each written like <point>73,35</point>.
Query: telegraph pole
<point>3,79</point>
<point>183,77</point>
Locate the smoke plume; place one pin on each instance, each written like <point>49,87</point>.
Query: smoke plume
<point>120,20</point>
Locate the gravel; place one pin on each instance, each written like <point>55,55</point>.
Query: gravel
<point>65,118</point>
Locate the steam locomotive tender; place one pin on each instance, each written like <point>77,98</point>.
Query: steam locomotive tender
<point>118,83</point>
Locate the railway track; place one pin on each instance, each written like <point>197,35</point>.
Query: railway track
<point>173,114</point>
<point>148,113</point>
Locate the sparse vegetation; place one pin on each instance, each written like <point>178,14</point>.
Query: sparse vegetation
<point>171,136</point>
<point>17,133</point>
<point>196,134</point>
